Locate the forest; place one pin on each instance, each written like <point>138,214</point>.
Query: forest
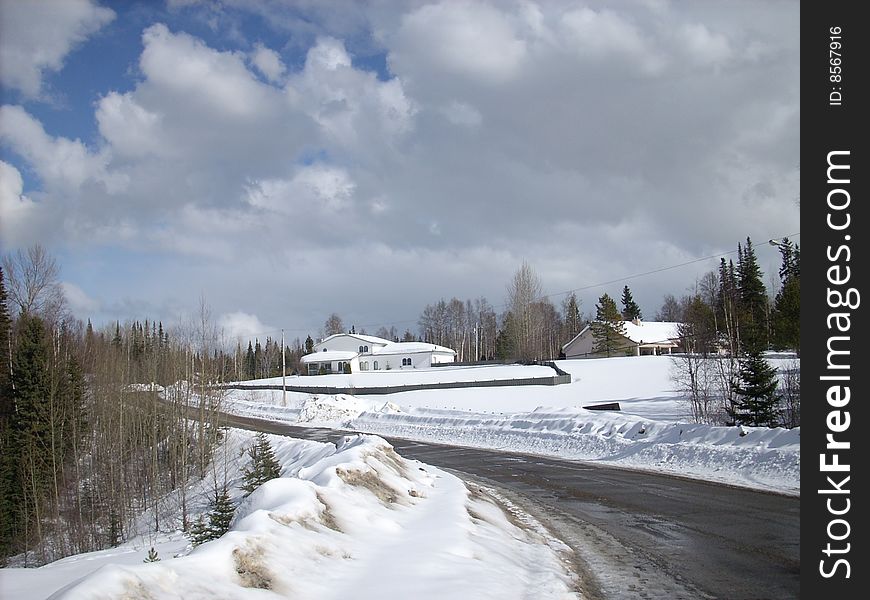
<point>99,424</point>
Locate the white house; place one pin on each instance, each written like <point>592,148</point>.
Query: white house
<point>369,353</point>
<point>641,338</point>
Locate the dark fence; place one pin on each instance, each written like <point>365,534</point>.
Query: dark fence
<point>560,378</point>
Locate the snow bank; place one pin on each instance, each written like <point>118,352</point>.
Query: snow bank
<point>353,520</point>
<point>651,432</point>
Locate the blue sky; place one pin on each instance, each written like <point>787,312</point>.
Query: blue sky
<point>286,160</point>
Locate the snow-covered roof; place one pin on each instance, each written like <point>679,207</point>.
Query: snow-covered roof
<point>329,355</point>
<point>365,338</point>
<point>411,348</point>
<point>651,332</point>
<point>644,332</point>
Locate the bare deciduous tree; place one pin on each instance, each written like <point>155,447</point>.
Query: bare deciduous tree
<point>523,292</point>
<point>33,285</point>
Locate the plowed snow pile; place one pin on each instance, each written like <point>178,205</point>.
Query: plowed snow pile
<point>356,520</point>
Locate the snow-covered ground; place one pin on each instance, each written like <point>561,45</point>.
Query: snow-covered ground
<point>356,520</point>
<point>652,431</point>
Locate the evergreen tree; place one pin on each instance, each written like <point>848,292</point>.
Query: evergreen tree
<point>787,305</point>
<point>608,329</point>
<point>258,360</point>
<point>263,464</point>
<point>10,492</point>
<point>309,345</point>
<point>217,522</point>
<point>221,515</point>
<point>152,556</point>
<point>505,340</point>
<point>199,532</point>
<point>630,309</point>
<point>250,362</point>
<point>30,428</point>
<point>573,321</point>
<point>756,399</point>
<point>753,326</point>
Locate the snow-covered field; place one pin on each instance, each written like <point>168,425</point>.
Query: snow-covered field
<point>359,520</point>
<point>651,431</point>
<point>356,520</point>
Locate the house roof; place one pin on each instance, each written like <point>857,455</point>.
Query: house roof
<point>411,348</point>
<point>645,332</point>
<point>652,332</point>
<point>365,338</point>
<point>329,356</point>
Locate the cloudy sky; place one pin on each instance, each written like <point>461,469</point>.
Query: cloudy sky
<point>289,159</point>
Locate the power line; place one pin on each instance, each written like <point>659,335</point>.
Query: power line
<point>554,294</point>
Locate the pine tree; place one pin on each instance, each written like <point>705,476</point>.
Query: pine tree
<point>199,533</point>
<point>263,464</point>
<point>573,320</point>
<point>216,522</point>
<point>309,345</point>
<point>152,556</point>
<point>221,515</point>
<point>505,340</point>
<point>250,362</point>
<point>756,391</point>
<point>10,490</point>
<point>787,305</point>
<point>753,325</point>
<point>608,329</point>
<point>630,309</point>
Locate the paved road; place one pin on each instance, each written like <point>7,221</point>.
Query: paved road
<point>635,534</point>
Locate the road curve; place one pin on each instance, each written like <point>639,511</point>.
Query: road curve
<point>635,534</point>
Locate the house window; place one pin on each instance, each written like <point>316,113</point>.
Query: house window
<point>360,349</point>
<point>406,362</point>
<point>376,365</point>
<point>364,366</point>
<point>365,348</point>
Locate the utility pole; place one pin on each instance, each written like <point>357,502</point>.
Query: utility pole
<point>283,370</point>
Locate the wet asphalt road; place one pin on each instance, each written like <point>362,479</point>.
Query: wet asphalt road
<point>635,534</point>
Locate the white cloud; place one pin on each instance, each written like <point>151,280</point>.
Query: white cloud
<point>328,53</point>
<point>131,129</point>
<point>79,301</point>
<point>62,164</point>
<point>36,37</point>
<point>703,46</point>
<point>472,39</point>
<point>353,108</point>
<point>17,211</point>
<point>268,62</point>
<point>241,326</point>
<point>315,187</point>
<point>460,113</point>
<point>605,35</point>
<point>569,136</point>
<point>185,67</point>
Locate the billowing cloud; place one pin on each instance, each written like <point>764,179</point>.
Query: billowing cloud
<point>268,62</point>
<point>424,151</point>
<point>61,163</point>
<point>314,188</point>
<point>239,326</point>
<point>36,37</point>
<point>471,39</point>
<point>19,212</point>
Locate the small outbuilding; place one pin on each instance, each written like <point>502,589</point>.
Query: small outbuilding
<point>642,338</point>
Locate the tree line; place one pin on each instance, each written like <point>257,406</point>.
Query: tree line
<point>94,424</point>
